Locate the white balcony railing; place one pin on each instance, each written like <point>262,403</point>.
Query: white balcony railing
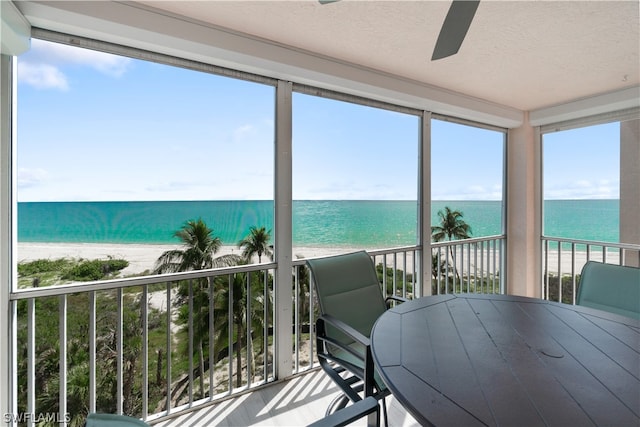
<point>563,259</point>
<point>138,345</point>
<point>154,346</point>
<point>469,265</point>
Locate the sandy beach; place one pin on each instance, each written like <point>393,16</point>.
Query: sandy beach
<point>142,257</point>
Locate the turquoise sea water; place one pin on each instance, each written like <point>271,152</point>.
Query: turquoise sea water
<point>316,223</point>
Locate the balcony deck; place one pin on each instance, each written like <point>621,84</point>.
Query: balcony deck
<point>298,401</point>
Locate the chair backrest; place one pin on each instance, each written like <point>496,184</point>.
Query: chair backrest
<point>609,287</point>
<point>348,289</point>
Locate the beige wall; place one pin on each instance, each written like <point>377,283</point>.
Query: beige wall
<point>524,213</point>
<point>630,187</point>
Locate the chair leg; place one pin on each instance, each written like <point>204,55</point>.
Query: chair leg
<point>384,412</point>
<point>373,419</point>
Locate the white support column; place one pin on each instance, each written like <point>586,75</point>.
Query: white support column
<point>630,187</point>
<point>424,204</point>
<point>15,38</point>
<point>283,330</point>
<point>524,211</point>
<point>15,30</point>
<point>8,333</point>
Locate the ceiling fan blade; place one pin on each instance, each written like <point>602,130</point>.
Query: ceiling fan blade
<point>455,28</point>
<point>327,1</point>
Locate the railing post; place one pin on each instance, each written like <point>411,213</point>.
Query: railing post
<point>62,383</point>
<point>31,358</point>
<point>92,351</point>
<point>8,333</point>
<point>283,231</point>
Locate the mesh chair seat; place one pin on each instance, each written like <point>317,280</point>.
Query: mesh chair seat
<point>346,356</point>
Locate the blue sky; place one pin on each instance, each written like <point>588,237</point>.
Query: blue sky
<point>93,126</point>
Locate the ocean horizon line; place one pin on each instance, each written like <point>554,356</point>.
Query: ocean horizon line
<point>363,223</point>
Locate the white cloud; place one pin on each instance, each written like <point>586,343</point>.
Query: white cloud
<point>28,178</point>
<point>584,189</point>
<point>60,54</point>
<point>349,189</point>
<point>472,192</point>
<point>240,133</point>
<point>42,76</point>
<point>42,67</point>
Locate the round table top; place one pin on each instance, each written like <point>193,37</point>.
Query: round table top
<point>510,361</point>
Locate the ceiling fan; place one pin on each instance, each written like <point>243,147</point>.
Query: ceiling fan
<point>454,29</point>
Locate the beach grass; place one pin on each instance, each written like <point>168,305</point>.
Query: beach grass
<point>48,272</point>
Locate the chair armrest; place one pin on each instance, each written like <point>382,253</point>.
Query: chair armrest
<point>390,298</point>
<point>322,340</point>
<point>348,330</point>
<point>348,414</point>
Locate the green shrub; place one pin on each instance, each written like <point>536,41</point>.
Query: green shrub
<point>43,266</point>
<point>95,269</point>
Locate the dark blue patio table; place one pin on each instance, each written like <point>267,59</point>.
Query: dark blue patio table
<point>465,360</point>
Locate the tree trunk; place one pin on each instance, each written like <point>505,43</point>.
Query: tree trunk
<point>455,268</point>
<point>239,357</point>
<point>159,368</point>
<point>250,360</point>
<point>201,357</point>
<point>127,387</point>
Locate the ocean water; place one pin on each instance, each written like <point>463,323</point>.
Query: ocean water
<point>316,223</point>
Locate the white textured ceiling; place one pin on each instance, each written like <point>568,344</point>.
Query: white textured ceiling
<point>521,54</point>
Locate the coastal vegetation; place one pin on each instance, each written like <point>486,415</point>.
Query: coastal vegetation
<point>565,293</point>
<point>47,353</point>
<point>45,272</point>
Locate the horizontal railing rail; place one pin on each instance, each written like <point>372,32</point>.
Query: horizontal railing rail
<point>110,284</point>
<point>563,260</point>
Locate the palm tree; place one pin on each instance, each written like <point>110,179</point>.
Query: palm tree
<point>200,246</point>
<point>256,242</point>
<point>451,227</point>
